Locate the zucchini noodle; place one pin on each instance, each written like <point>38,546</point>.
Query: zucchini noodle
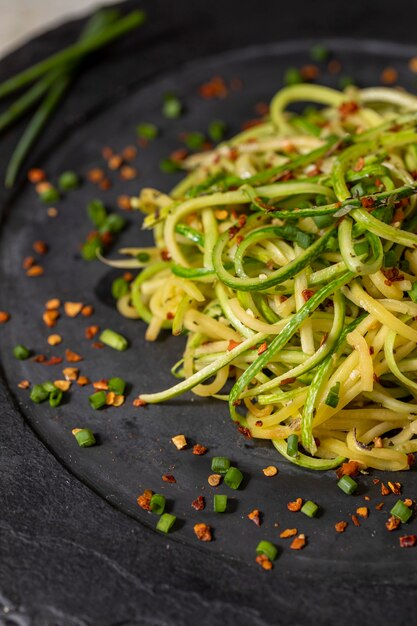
<point>288,256</point>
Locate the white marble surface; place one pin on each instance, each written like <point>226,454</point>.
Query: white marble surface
<point>22,19</point>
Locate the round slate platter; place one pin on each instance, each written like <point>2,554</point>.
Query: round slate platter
<point>67,556</point>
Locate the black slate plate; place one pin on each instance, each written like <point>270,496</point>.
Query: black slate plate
<point>134,448</point>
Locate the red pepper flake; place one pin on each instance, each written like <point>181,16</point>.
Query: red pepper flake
<point>87,310</point>
<point>408,502</point>
<point>40,247</point>
<point>199,504</point>
<point>203,532</point>
<point>359,165</point>
<point>53,360</point>
<point>199,450</point>
<point>395,487</point>
<point>262,108</point>
<point>124,203</point>
<point>392,523</point>
<point>95,175</point>
<point>341,527</point>
<point>24,384</point>
<point>129,153</point>
<point>215,88</point>
<point>98,345</point>
<point>36,175</point>
<point>367,203</point>
<point>139,402</point>
<point>232,345</point>
<point>348,469</point>
<point>392,275</point>
<point>28,262</point>
<point>298,543</point>
<point>255,517</point>
<point>375,377</point>
<point>101,385</point>
<point>127,172</point>
<point>389,76</point>
<point>380,506</point>
<point>408,541</point>
<point>168,478</point>
<point>263,348</point>
<point>347,108</point>
<point>309,72</point>
<point>4,317</point>
<point>39,358</point>
<point>411,459</point>
<point>295,505</point>
<point>252,123</point>
<point>288,381</point>
<point>165,255</point>
<point>107,153</point>
<point>35,270</point>
<point>385,491</point>
<point>376,481</point>
<point>264,562</point>
<point>288,532</point>
<point>144,500</point>
<point>244,431</point>
<point>170,315</point>
<point>91,331</point>
<point>398,216</point>
<point>355,520</point>
<point>307,294</point>
<point>72,357</point>
<point>362,511</point>
<point>115,162</point>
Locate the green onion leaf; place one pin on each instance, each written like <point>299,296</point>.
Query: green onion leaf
<point>172,107</point>
<point>55,397</point>
<point>217,130</point>
<point>310,508</point>
<point>68,181</point>
<point>119,288</point>
<point>97,212</point>
<point>147,131</point>
<point>348,485</point>
<point>165,522</point>
<point>157,503</point>
<point>220,464</point>
<point>21,352</point>
<point>292,445</point>
<point>38,394</point>
<point>268,549</point>
<point>113,339</point>
<point>233,477</point>
<point>98,399</point>
<point>84,437</point>
<point>333,396</point>
<point>118,385</point>
<point>219,503</point>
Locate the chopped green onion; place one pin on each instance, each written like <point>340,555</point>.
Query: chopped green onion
<point>165,522</point>
<point>194,141</point>
<point>157,503</point>
<point>21,352</point>
<point>292,76</point>
<point>147,131</point>
<point>169,166</point>
<point>220,464</point>
<point>172,107</point>
<point>216,130</point>
<point>268,549</point>
<point>348,485</point>
<point>143,257</point>
<point>113,339</point>
<point>219,503</point>
<point>49,195</point>
<point>98,399</point>
<point>97,212</point>
<point>319,53</point>
<point>38,394</point>
<point>55,397</point>
<point>333,396</point>
<point>361,248</point>
<point>402,511</point>
<point>117,385</point>
<point>413,292</point>
<point>345,81</point>
<point>292,445</point>
<point>89,248</point>
<point>233,477</point>
<point>114,224</point>
<point>68,181</point>
<point>390,258</point>
<point>322,221</point>
<point>48,386</point>
<point>84,437</point>
<point>309,508</point>
<point>119,288</point>
<point>358,190</point>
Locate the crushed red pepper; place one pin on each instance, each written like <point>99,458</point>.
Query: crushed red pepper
<point>255,516</point>
<point>341,526</point>
<point>144,500</point>
<point>168,478</point>
<point>298,543</point>
<point>408,541</point>
<point>199,450</point>
<point>199,503</point>
<point>203,532</point>
<point>296,505</point>
<point>264,562</point>
<point>392,523</point>
<point>288,532</point>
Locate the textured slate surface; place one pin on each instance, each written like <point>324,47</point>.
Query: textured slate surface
<point>67,557</point>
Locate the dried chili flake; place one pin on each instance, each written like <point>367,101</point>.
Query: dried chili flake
<point>63,385</point>
<point>288,381</point>
<point>144,500</point>
<point>199,503</point>
<point>392,275</point>
<point>408,541</point>
<point>72,357</point>
<point>54,340</point>
<point>359,165</point>
<point>53,303</point>
<point>341,526</point>
<point>264,562</point>
<point>83,380</point>
<point>36,175</point>
<point>233,344</point>
<point>395,487</point>
<point>347,108</point>
<point>367,203</point>
<point>307,294</point>
<point>168,478</point>
<point>72,308</point>
<point>39,358</point>
<point>263,348</point>
<point>392,523</point>
<point>295,505</point>
<point>199,450</point>
<point>398,216</point>
<point>351,468</point>
<point>70,373</point>
<point>53,360</point>
<point>95,175</point>
<point>40,247</point>
<point>129,153</point>
<point>376,481</point>
<point>309,72</point>
<point>255,517</point>
<point>35,270</point>
<point>101,385</point>
<point>362,511</point>
<point>271,470</point>
<point>298,543</point>
<point>203,532</point>
<point>28,262</point>
<point>244,431</point>
<point>124,203</point>
<point>87,310</point>
<point>24,384</point>
<point>115,162</point>
<point>127,172</point>
<point>355,520</point>
<point>389,76</point>
<point>4,317</point>
<point>288,532</point>
<point>91,331</point>
<point>139,402</point>
<point>215,88</point>
<point>165,255</point>
<point>50,317</point>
